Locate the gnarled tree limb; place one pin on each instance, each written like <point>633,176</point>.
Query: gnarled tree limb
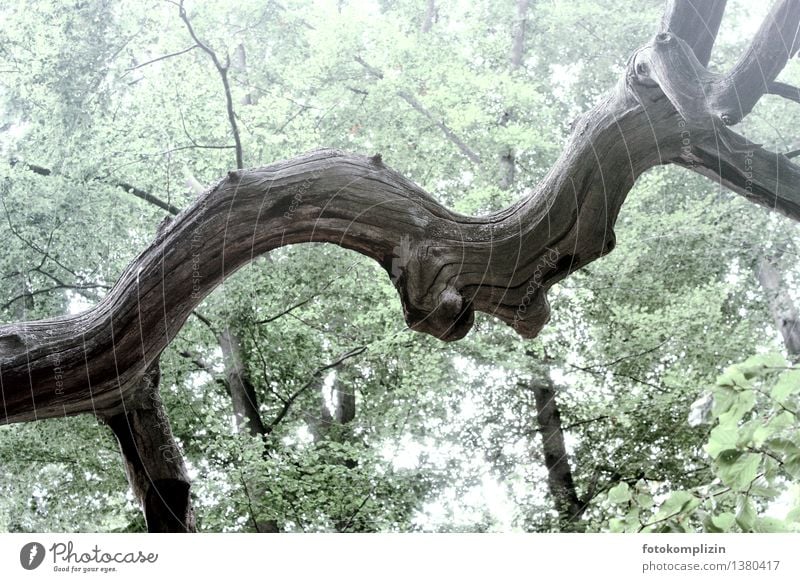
<point>696,22</point>
<point>667,108</point>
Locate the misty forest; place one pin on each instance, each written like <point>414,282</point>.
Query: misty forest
<point>547,278</point>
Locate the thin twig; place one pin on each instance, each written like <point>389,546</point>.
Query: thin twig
<point>138,192</point>
<point>161,58</point>
<point>289,401</point>
<point>422,110</point>
<point>223,74</point>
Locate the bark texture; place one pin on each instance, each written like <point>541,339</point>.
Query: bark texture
<point>666,108</point>
<point>559,474</point>
<point>154,462</point>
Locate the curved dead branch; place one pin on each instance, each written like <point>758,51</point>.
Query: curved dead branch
<point>667,108</point>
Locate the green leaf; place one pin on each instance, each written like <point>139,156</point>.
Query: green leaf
<point>760,364</point>
<point>732,376</point>
<point>738,469</point>
<point>788,383</point>
<point>745,513</point>
<point>761,487</point>
<point>782,445</point>
<point>677,503</point>
<point>792,465</point>
<point>770,525</point>
<point>644,500</point>
<point>743,404</point>
<point>729,456</point>
<point>782,421</point>
<point>619,494</point>
<point>723,399</point>
<point>720,439</point>
<point>616,525</point>
<point>761,433</point>
<point>709,525</point>
<point>724,521</point>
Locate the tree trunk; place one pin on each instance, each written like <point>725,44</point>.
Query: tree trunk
<point>508,158</point>
<point>154,462</point>
<point>343,411</point>
<point>245,409</point>
<point>520,32</point>
<point>239,66</point>
<point>559,474</point>
<point>780,302</point>
<point>430,14</point>
<point>242,391</point>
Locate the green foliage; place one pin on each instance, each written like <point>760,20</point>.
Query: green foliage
<point>753,451</point>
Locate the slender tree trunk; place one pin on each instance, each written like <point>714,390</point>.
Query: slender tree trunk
<point>508,168</point>
<point>342,412</point>
<point>780,302</point>
<point>508,158</point>
<point>245,409</point>
<point>559,474</point>
<point>153,462</point>
<point>239,66</point>
<point>430,15</point>
<point>242,391</point>
<point>520,32</point>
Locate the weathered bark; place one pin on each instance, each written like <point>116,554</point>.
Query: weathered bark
<point>448,264</point>
<point>695,21</point>
<point>153,461</point>
<point>559,474</point>
<point>781,304</point>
